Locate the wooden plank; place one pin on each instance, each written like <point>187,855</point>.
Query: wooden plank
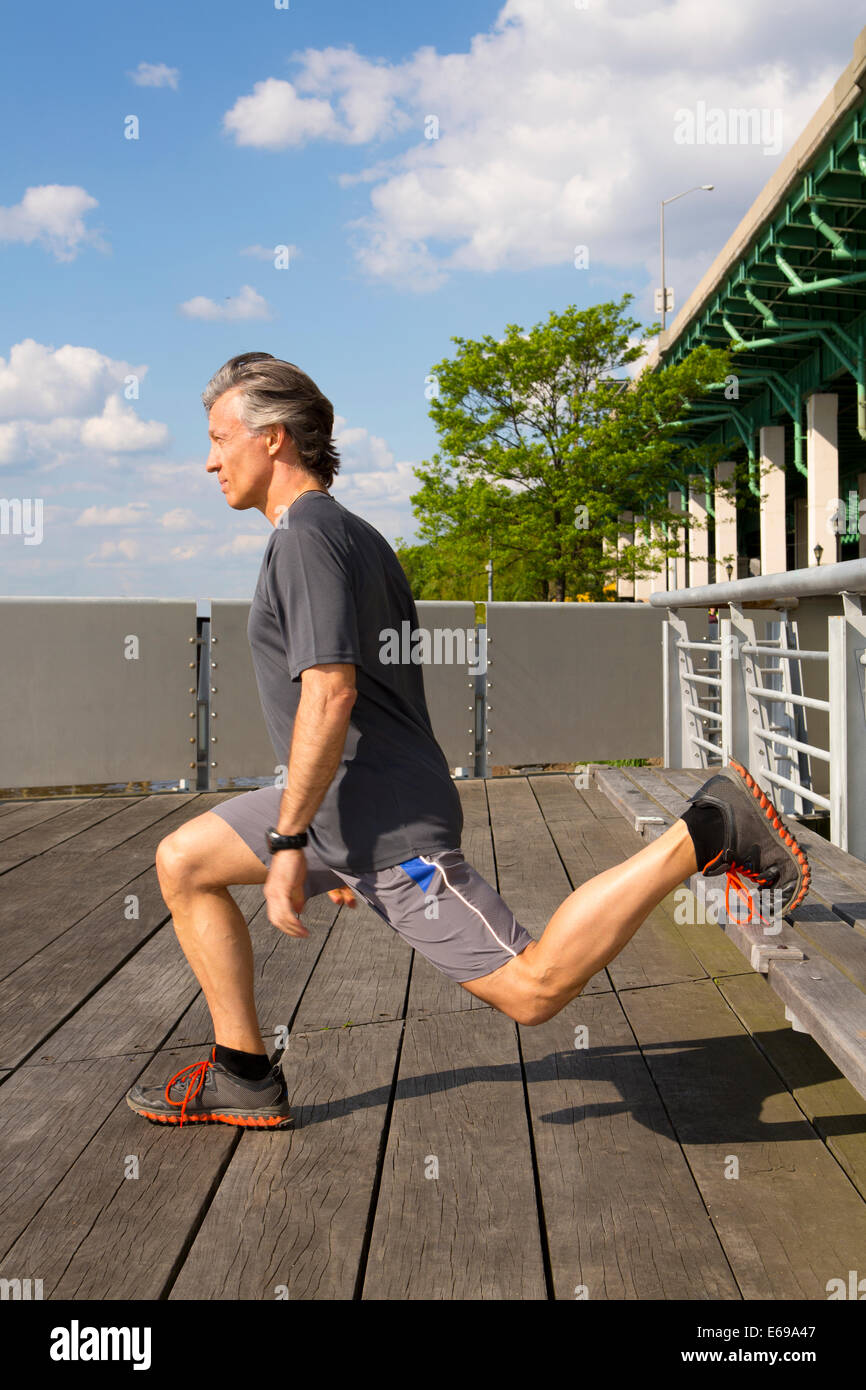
<point>791,1221</point>
<point>431,992</point>
<point>623,1216</point>
<point>145,811</point>
<point>628,799</point>
<point>560,800</point>
<point>293,1207</point>
<point>830,1102</point>
<point>468,1227</point>
<point>142,846</point>
<point>42,898</point>
<point>360,976</point>
<point>36,998</point>
<point>136,1009</point>
<point>48,1115</point>
<point>830,1007</point>
<point>532,879</point>
<point>60,831</point>
<point>25,814</point>
<point>93,1232</point>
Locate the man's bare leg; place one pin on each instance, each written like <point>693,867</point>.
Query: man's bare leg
<point>587,930</point>
<point>194,865</point>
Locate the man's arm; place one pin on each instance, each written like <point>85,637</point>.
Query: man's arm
<point>318,738</point>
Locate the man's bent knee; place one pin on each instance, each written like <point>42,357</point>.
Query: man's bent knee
<point>177,863</point>
<point>515,989</point>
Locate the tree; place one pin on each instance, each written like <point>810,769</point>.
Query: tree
<point>545,439</point>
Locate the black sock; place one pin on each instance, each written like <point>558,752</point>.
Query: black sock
<point>249,1066</point>
<point>706,828</point>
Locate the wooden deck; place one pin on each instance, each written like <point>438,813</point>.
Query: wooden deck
<point>440,1151</point>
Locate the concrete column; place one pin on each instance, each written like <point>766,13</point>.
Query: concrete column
<point>822,484</point>
<point>774,555</point>
<point>657,582</point>
<point>625,586</point>
<point>726,525</point>
<point>642,589</point>
<point>699,536</point>
<point>677,567</point>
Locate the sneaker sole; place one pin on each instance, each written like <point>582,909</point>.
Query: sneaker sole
<point>247,1121</point>
<point>772,815</point>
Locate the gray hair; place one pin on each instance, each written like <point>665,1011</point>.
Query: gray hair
<point>279,393</point>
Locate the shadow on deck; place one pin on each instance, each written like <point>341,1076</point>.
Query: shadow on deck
<point>666,1136</point>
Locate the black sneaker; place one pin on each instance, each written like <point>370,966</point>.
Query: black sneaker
<point>757,845</point>
<point>205,1091</point>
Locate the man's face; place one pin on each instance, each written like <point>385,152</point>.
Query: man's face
<point>240,459</point>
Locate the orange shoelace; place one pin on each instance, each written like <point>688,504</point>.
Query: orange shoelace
<point>194,1075</point>
<point>733,880</point>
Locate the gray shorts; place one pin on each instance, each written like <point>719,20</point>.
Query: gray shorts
<point>437,902</point>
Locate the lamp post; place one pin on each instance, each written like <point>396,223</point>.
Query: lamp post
<point>705,187</point>
<point>818,552</point>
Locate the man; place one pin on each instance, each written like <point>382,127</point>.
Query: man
<point>369,805</point>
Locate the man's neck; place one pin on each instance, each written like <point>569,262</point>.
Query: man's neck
<point>277,508</point>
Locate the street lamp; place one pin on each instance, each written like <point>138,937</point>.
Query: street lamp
<point>699,187</point>
<point>818,552</point>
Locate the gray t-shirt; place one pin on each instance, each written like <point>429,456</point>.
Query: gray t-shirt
<point>328,586</point>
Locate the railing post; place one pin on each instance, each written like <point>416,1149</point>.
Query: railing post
<point>847,679</point>
<point>729,689</point>
<point>838,725</point>
<point>672,630</point>
<point>746,747</point>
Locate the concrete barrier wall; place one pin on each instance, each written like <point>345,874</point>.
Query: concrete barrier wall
<point>242,747</point>
<point>573,682</point>
<point>96,690</point>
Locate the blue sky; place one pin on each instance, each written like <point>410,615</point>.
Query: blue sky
<point>307,127</point>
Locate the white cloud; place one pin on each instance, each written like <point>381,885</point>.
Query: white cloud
<point>155,75</point>
<point>119,430</point>
<point>556,129</point>
<point>183,519</point>
<point>61,406</point>
<point>249,304</point>
<point>274,117</point>
<point>186,552</point>
<point>244,545</point>
<point>118,551</point>
<point>130,514</point>
<point>360,451</point>
<point>39,382</point>
<point>52,215</point>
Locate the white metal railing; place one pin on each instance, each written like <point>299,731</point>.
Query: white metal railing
<point>784,710</point>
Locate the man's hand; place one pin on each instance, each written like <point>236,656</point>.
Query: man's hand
<point>284,891</point>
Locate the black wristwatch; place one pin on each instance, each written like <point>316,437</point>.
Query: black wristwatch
<point>277,841</point>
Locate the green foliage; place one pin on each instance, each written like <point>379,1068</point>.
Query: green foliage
<point>543,442</point>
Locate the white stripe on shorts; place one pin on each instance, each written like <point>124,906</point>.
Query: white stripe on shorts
<point>503,944</point>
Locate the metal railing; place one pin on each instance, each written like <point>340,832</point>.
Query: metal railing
<point>794,712</point>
